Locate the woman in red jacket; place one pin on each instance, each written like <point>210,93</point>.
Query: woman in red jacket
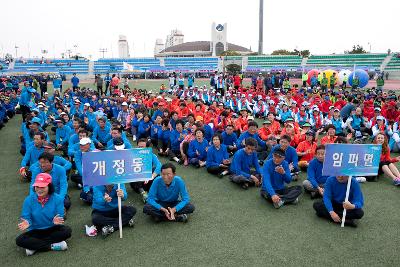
<point>386,165</point>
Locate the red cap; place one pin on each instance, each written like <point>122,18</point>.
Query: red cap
<point>42,180</point>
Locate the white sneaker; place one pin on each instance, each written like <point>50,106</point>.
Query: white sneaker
<point>91,231</point>
<point>29,252</point>
<point>107,230</point>
<point>59,246</point>
<point>134,138</point>
<point>279,204</point>
<point>361,179</point>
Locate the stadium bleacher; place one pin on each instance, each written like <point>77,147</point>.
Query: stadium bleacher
<point>63,66</point>
<point>394,64</point>
<point>196,64</point>
<point>109,65</point>
<point>274,62</point>
<point>372,61</point>
<point>169,64</point>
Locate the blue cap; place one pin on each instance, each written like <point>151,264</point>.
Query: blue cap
<point>36,120</point>
<point>31,90</point>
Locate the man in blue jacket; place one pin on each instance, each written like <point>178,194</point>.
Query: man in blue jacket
<point>32,155</point>
<point>105,208</point>
<point>243,161</point>
<point>334,202</point>
<point>143,187</point>
<point>315,181</point>
<point>168,198</point>
<point>25,99</point>
<point>229,138</point>
<point>275,174</point>
<point>176,137</point>
<point>101,134</point>
<point>116,133</point>
<point>63,133</point>
<point>253,133</point>
<point>290,155</point>
<point>85,145</point>
<point>75,81</point>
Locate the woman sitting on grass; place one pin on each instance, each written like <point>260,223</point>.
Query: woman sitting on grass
<point>42,219</point>
<point>386,165</point>
<point>197,151</point>
<point>217,157</point>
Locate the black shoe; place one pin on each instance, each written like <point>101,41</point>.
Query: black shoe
<point>181,218</point>
<point>220,175</point>
<point>245,186</point>
<point>132,222</point>
<point>350,222</point>
<point>313,195</point>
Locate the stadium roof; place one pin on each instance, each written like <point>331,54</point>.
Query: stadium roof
<point>201,46</point>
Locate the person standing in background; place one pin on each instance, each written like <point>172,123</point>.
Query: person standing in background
<point>107,80</point>
<point>75,81</point>
<point>43,85</point>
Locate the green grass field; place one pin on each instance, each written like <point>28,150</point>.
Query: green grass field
<point>230,227</point>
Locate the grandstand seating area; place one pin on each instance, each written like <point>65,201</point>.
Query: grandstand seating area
<point>394,63</point>
<point>347,60</point>
<point>110,65</point>
<point>200,63</point>
<point>63,66</point>
<point>168,64</point>
<point>271,62</point>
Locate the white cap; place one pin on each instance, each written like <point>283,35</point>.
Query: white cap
<point>85,141</point>
<point>124,104</point>
<point>380,118</point>
<point>121,147</point>
<point>87,104</point>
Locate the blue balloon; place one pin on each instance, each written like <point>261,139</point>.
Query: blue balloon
<point>362,76</point>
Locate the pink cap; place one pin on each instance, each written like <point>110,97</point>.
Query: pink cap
<point>42,180</point>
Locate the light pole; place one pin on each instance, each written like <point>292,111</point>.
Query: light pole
<point>103,50</point>
<point>16,51</point>
<point>261,28</point>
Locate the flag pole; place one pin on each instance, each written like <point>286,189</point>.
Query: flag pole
<point>346,199</point>
<point>120,213</point>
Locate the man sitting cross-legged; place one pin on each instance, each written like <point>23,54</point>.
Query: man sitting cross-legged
<point>168,199</point>
<point>275,174</point>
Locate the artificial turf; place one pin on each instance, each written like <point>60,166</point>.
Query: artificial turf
<point>230,226</point>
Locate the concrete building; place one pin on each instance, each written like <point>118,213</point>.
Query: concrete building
<point>219,42</point>
<point>214,47</point>
<point>159,46</point>
<point>123,47</point>
<point>175,38</point>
